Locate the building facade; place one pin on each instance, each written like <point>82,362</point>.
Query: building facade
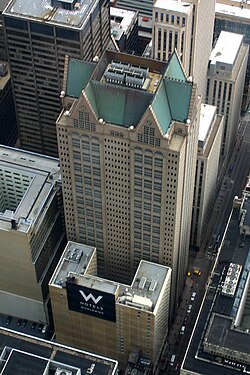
<point>187,27</point>
<point>172,30</point>
<point>32,232</point>
<point>128,145</point>
<point>234,17</point>
<point>124,29</point>
<point>39,35</point>
<point>106,317</point>
<point>8,125</point>
<point>225,83</point>
<point>208,156</point>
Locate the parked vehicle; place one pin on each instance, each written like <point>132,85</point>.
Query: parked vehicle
<point>182,331</point>
<point>193,296</point>
<point>172,360</point>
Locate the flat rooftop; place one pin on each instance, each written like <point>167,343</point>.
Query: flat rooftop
<point>122,17</point>
<point>26,180</point>
<point>42,10</point>
<point>223,52</point>
<point>207,115</point>
<point>173,5</point>
<point>22,354</point>
<point>224,10</point>
<point>144,290</point>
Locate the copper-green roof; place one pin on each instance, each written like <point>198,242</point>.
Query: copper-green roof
<point>174,69</point>
<point>125,106</point>
<point>172,99</point>
<point>78,76</point>
<point>117,104</point>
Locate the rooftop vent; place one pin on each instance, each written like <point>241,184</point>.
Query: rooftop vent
<point>152,285</point>
<point>142,283</point>
<point>64,4</point>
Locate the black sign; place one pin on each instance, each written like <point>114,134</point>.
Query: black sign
<point>91,301</point>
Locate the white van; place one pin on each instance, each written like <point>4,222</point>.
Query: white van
<point>172,360</point>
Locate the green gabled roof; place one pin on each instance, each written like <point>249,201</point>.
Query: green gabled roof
<point>179,95</point>
<point>172,100</point>
<point>161,108</point>
<point>116,104</point>
<point>78,76</point>
<point>174,69</point>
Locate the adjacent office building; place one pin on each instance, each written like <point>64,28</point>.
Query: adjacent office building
<point>128,137</point>
<point>3,47</point>
<point>32,232</point>
<point>234,16</point>
<point>21,354</point>
<point>8,125</point>
<point>106,317</point>
<point>124,29</point>
<point>172,30</point>
<point>186,27</point>
<point>39,35</point>
<point>208,156</point>
<point>225,82</point>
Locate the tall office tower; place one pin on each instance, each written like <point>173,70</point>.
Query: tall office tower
<point>39,34</point>
<point>106,317</point>
<point>201,44</point>
<point>225,82</point>
<point>124,29</point>
<point>8,126</point>
<point>186,26</point>
<point>3,46</point>
<point>234,17</point>
<point>172,30</point>
<point>32,232</point>
<point>209,143</point>
<point>128,141</point>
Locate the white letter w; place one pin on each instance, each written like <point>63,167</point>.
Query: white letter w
<point>90,296</point>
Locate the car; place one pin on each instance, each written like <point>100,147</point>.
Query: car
<point>189,309</point>
<point>182,331</point>
<point>197,272</point>
<point>44,328</point>
<point>33,326</point>
<point>24,323</point>
<point>19,322</point>
<point>40,327</point>
<point>8,320</point>
<point>193,295</point>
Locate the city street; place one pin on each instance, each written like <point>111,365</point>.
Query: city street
<point>232,184</point>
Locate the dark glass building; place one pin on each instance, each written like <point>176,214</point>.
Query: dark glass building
<point>39,35</point>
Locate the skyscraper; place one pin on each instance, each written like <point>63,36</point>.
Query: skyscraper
<point>127,141</point>
<point>208,156</point>
<point>172,30</point>
<point>185,26</point>
<point>225,83</point>
<point>39,35</point>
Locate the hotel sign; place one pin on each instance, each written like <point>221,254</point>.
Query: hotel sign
<point>91,301</point>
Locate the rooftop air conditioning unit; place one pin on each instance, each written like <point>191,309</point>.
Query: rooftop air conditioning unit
<point>61,371</point>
